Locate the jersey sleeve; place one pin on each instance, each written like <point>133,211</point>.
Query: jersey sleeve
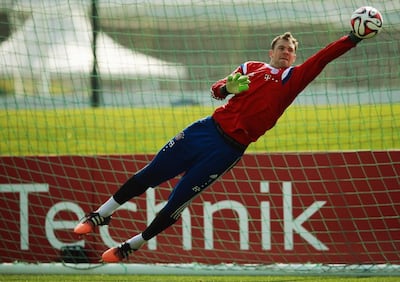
<point>306,72</point>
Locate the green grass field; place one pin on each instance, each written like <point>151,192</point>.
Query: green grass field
<point>129,131</point>
<point>164,278</point>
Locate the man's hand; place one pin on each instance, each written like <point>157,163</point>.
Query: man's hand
<point>237,83</point>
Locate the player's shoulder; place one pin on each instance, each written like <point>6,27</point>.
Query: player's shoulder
<point>251,66</point>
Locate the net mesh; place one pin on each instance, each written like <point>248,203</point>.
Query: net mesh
<point>321,187</point>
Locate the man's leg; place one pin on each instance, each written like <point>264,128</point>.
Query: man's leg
<point>168,163</point>
<point>195,180</point>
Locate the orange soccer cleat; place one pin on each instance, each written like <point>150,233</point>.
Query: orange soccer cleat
<point>89,222</point>
<point>117,254</point>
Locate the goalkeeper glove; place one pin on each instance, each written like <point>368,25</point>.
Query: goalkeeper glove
<point>237,83</point>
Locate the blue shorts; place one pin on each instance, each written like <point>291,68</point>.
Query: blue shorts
<point>201,153</point>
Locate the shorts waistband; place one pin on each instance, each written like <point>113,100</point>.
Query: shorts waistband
<point>229,139</point>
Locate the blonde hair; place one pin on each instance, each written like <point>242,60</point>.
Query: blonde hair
<point>286,36</point>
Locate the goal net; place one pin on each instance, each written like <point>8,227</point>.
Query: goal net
<point>90,90</point>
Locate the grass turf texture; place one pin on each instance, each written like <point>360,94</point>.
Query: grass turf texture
<point>131,130</point>
<point>155,278</point>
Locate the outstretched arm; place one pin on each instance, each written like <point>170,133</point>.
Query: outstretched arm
<point>306,72</point>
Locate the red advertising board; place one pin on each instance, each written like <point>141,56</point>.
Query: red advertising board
<point>336,207</point>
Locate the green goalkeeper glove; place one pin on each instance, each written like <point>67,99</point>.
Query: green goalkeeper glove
<point>237,83</point>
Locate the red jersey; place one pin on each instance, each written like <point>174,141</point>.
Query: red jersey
<point>249,114</point>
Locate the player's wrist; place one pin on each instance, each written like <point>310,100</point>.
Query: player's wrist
<point>354,38</point>
<point>223,91</point>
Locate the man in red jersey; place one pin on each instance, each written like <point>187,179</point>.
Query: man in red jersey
<point>209,147</point>
<point>274,86</point>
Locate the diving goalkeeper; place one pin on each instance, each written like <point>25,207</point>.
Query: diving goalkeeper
<point>259,93</point>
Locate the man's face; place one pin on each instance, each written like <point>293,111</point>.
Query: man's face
<point>283,55</point>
